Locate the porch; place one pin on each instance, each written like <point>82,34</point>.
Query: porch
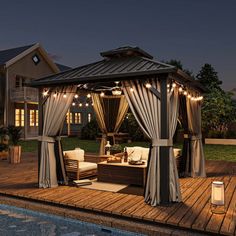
<point>194,213</point>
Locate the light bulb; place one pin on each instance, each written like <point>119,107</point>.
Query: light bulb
<point>131,89</point>
<point>45,92</point>
<point>64,96</point>
<point>76,96</point>
<point>80,104</point>
<point>73,103</point>
<point>180,89</point>
<point>88,95</point>
<point>173,85</point>
<point>86,104</point>
<point>102,94</point>
<point>148,85</point>
<point>185,93</point>
<point>55,94</point>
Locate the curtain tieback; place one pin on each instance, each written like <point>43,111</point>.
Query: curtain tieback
<point>46,139</point>
<point>58,138</point>
<point>196,137</point>
<point>162,142</point>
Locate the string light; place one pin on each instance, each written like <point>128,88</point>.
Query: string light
<point>168,85</point>
<point>148,85</point>
<point>185,93</point>
<point>73,103</point>
<point>76,96</point>
<point>45,92</point>
<point>174,85</point>
<point>88,95</point>
<point>102,94</point>
<point>55,94</point>
<point>86,104</point>
<point>131,89</point>
<point>189,95</point>
<point>180,89</point>
<point>80,105</point>
<point>64,95</point>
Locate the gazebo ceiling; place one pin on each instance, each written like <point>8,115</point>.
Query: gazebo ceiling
<point>118,64</point>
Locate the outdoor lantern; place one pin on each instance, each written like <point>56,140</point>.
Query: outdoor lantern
<point>217,197</point>
<point>108,148</point>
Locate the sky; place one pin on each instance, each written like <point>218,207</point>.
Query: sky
<point>74,32</point>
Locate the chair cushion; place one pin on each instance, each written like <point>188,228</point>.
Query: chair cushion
<point>77,154</point>
<point>134,153</point>
<point>85,166</point>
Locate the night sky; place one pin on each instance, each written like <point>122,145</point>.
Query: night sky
<point>74,32</point>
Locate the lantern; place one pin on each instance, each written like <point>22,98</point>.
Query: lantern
<point>217,197</point>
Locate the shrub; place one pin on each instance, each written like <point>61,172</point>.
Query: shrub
<point>90,130</point>
<point>15,134</point>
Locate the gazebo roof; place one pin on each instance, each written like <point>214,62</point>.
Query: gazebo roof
<point>118,64</point>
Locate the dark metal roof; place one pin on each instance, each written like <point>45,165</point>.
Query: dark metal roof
<point>63,67</point>
<point>7,55</point>
<point>107,70</point>
<point>126,51</point>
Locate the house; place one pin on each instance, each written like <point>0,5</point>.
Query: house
<point>19,103</point>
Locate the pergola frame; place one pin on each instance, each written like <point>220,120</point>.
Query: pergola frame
<point>164,75</point>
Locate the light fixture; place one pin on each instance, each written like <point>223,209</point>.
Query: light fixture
<point>45,92</point>
<point>64,95</point>
<point>116,91</point>
<point>86,104</point>
<point>217,197</point>
<point>76,96</point>
<point>80,105</point>
<point>88,95</point>
<point>148,85</point>
<point>102,94</point>
<point>73,103</point>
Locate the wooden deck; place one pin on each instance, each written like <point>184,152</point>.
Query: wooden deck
<point>193,213</point>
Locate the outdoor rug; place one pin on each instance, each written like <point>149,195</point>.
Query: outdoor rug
<point>105,186</point>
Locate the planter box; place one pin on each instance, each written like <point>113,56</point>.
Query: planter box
<point>220,141</point>
<point>14,154</point>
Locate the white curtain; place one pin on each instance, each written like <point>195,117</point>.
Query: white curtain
<point>194,123</point>
<point>101,112</point>
<point>145,106</point>
<point>54,113</point>
<point>175,193</point>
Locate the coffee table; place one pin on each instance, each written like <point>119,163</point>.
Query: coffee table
<point>122,173</point>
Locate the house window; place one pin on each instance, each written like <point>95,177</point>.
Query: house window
<point>19,117</point>
<point>89,117</point>
<point>78,119</point>
<point>20,81</point>
<point>69,118</point>
<point>34,118</point>
<point>36,59</point>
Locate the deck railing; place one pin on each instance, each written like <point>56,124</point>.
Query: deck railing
<point>27,94</point>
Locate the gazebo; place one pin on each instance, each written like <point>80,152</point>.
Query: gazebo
<point>156,93</point>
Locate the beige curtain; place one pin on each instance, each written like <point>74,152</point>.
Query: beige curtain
<point>100,112</point>
<point>194,123</point>
<point>145,106</point>
<point>175,193</point>
<point>54,113</point>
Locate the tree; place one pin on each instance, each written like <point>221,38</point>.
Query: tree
<point>218,108</point>
<point>208,77</point>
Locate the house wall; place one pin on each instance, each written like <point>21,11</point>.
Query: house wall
<point>2,95</point>
<point>26,67</point>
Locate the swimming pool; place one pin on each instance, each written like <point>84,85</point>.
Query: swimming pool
<point>22,222</point>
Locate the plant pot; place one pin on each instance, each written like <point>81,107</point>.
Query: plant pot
<point>14,154</point>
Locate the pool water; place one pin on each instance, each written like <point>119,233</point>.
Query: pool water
<point>22,222</point>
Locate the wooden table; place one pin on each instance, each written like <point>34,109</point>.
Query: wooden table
<point>122,173</point>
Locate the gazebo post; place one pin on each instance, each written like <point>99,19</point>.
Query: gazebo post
<point>164,150</point>
<point>40,127</point>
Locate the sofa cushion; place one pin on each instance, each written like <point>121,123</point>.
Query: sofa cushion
<point>77,154</point>
<point>85,166</point>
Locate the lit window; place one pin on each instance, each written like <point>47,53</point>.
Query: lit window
<point>89,117</point>
<point>78,118</point>
<point>69,117</point>
<point>33,117</point>
<point>19,117</point>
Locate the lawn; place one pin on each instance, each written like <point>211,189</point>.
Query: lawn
<point>212,152</point>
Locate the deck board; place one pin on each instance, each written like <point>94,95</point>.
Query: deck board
<point>194,212</point>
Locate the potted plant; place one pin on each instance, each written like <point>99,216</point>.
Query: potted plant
<point>14,149</point>
<point>4,143</point>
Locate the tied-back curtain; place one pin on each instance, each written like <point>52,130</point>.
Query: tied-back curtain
<point>110,112</point>
<point>197,154</point>
<point>175,193</point>
<point>145,107</point>
<point>54,113</point>
<point>100,115</point>
<point>185,161</point>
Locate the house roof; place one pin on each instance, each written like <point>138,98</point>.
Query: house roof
<point>63,67</point>
<point>118,64</point>
<point>8,54</point>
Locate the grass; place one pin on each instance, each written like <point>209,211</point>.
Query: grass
<point>212,152</point>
